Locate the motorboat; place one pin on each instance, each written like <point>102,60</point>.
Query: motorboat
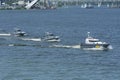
<point>94,44</point>
<point>19,33</point>
<point>50,37</point>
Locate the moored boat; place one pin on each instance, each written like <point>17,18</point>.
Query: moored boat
<point>87,6</point>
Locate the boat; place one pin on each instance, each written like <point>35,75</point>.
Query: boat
<point>113,5</point>
<point>87,6</point>
<point>94,44</point>
<point>19,33</point>
<point>50,37</point>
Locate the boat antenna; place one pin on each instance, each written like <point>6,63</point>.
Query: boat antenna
<point>88,34</point>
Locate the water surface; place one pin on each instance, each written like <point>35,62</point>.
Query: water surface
<point>71,24</point>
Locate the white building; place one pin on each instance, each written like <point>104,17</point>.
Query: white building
<point>21,2</point>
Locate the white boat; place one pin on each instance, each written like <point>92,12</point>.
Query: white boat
<point>19,33</point>
<point>50,37</point>
<point>94,44</point>
<point>87,6</point>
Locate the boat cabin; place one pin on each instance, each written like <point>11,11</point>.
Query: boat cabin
<point>91,40</point>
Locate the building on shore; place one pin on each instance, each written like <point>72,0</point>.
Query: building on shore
<point>28,4</point>
<point>53,4</point>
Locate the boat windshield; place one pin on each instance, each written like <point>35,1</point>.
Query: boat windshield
<point>93,40</point>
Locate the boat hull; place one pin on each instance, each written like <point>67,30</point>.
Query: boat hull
<point>94,46</point>
<point>53,40</point>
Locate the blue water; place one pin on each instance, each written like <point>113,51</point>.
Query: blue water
<point>71,24</point>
